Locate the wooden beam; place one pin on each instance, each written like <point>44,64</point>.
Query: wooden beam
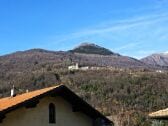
<point>76,108</point>
<point>32,104</point>
<point>2,116</point>
<point>53,95</point>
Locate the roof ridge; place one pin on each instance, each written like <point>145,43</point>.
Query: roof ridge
<point>11,101</point>
<point>159,113</point>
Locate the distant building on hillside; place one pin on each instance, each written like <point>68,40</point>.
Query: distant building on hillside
<point>159,71</point>
<point>74,67</point>
<point>84,68</point>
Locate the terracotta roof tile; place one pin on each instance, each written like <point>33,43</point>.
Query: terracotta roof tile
<point>8,102</point>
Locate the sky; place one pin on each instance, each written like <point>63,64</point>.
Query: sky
<point>135,28</point>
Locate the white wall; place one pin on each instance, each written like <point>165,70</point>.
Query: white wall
<point>38,116</point>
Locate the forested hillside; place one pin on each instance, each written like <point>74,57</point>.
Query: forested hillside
<point>126,94</point>
<point>126,90</point>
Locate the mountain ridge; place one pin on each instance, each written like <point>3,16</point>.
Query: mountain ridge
<point>91,48</point>
<point>157,59</point>
<point>99,56</point>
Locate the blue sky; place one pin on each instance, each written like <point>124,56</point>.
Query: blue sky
<point>135,28</point>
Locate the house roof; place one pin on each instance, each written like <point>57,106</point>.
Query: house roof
<point>161,114</point>
<point>9,104</point>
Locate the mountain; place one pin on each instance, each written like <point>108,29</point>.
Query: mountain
<point>32,67</point>
<point>85,54</point>
<point>126,94</point>
<point>90,48</point>
<point>160,59</point>
<point>35,67</point>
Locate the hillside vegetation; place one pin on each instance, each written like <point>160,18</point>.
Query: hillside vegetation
<point>126,92</point>
<point>130,97</point>
<point>92,49</point>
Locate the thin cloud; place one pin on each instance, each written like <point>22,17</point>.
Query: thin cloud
<point>128,46</point>
<point>121,25</point>
<point>146,29</point>
<point>143,53</point>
